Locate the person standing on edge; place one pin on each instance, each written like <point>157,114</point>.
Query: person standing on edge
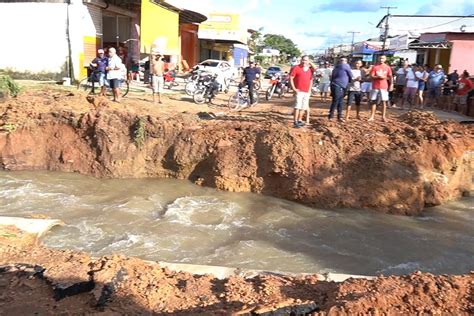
<point>400,82</point>
<point>100,64</point>
<point>411,87</point>
<point>366,84</point>
<point>301,80</point>
<point>422,77</point>
<point>436,80</point>
<point>460,97</point>
<point>381,75</point>
<point>355,93</point>
<point>325,80</point>
<point>157,69</point>
<point>114,73</point>
<point>249,75</point>
<point>341,76</point>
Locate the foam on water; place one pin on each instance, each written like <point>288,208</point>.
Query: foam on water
<point>173,220</point>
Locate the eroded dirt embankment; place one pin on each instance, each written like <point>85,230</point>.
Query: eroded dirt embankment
<point>399,167</point>
<point>44,281</point>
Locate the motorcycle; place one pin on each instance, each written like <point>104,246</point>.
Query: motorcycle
<point>277,85</point>
<point>208,89</point>
<point>194,82</point>
<point>315,88</point>
<point>170,79</point>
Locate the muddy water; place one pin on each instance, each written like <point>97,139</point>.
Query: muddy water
<point>176,221</point>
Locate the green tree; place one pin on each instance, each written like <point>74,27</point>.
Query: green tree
<point>255,41</point>
<point>283,44</point>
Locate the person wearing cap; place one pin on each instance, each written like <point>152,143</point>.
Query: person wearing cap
<point>436,80</point>
<point>114,73</point>
<point>99,64</point>
<point>249,75</point>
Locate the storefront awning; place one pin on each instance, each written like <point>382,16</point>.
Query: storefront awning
<point>188,16</point>
<point>427,45</point>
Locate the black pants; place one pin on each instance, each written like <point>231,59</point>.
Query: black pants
<point>337,93</point>
<point>250,87</point>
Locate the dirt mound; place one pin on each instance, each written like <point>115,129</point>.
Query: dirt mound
<point>399,167</point>
<point>48,281</point>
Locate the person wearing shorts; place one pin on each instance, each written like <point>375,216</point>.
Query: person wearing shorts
<point>381,82</point>
<point>99,64</point>
<point>366,84</point>
<point>114,73</point>
<point>422,77</point>
<point>301,80</point>
<point>436,80</point>
<point>355,93</point>
<point>465,86</point>
<point>324,74</point>
<point>157,69</point>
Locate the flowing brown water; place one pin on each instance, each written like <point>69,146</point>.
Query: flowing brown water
<point>176,221</point>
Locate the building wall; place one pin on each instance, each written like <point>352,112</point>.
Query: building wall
<point>462,56</point>
<point>34,38</point>
<point>40,39</point>
<point>189,44</point>
<point>159,23</point>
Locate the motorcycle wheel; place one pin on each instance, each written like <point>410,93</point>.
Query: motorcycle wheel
<point>190,88</point>
<point>199,96</point>
<point>269,93</point>
<point>314,92</point>
<point>235,101</point>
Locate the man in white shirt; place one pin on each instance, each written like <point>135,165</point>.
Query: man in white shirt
<point>325,80</point>
<point>411,87</point>
<point>355,93</point>
<point>115,73</point>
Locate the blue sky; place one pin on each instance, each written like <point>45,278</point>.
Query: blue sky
<point>314,25</point>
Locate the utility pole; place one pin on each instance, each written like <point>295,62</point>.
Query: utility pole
<point>385,33</point>
<point>352,43</point>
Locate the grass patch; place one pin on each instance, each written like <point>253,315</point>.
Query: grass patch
<point>139,133</point>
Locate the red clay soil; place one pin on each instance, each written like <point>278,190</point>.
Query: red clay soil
<point>51,282</point>
<point>399,167</point>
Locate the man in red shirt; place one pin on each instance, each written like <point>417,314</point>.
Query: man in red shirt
<point>381,75</point>
<point>301,80</point>
<point>464,86</point>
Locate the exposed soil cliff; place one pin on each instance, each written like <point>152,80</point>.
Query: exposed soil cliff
<point>399,167</point>
<point>44,281</point>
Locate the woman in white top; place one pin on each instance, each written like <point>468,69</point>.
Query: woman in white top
<point>422,76</point>
<point>114,73</point>
<point>411,87</point>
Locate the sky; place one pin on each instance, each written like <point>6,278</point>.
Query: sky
<point>315,25</point>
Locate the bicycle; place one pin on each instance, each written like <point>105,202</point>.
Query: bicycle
<point>91,83</point>
<point>241,99</point>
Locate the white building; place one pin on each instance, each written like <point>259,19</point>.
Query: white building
<point>57,38</point>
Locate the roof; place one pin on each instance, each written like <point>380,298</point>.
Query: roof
<point>185,15</point>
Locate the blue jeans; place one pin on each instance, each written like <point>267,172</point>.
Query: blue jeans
<point>337,93</point>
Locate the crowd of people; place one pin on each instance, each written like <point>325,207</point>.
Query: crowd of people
<point>405,86</point>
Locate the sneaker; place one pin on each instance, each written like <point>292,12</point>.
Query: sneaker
<point>296,125</point>
<point>300,123</point>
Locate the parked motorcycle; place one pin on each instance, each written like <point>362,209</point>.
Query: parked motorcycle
<point>315,88</point>
<point>195,81</point>
<point>208,89</point>
<point>170,79</point>
<point>276,86</point>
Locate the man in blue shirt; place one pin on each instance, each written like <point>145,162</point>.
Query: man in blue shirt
<point>436,79</point>
<point>249,75</point>
<point>341,76</point>
<point>98,65</point>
